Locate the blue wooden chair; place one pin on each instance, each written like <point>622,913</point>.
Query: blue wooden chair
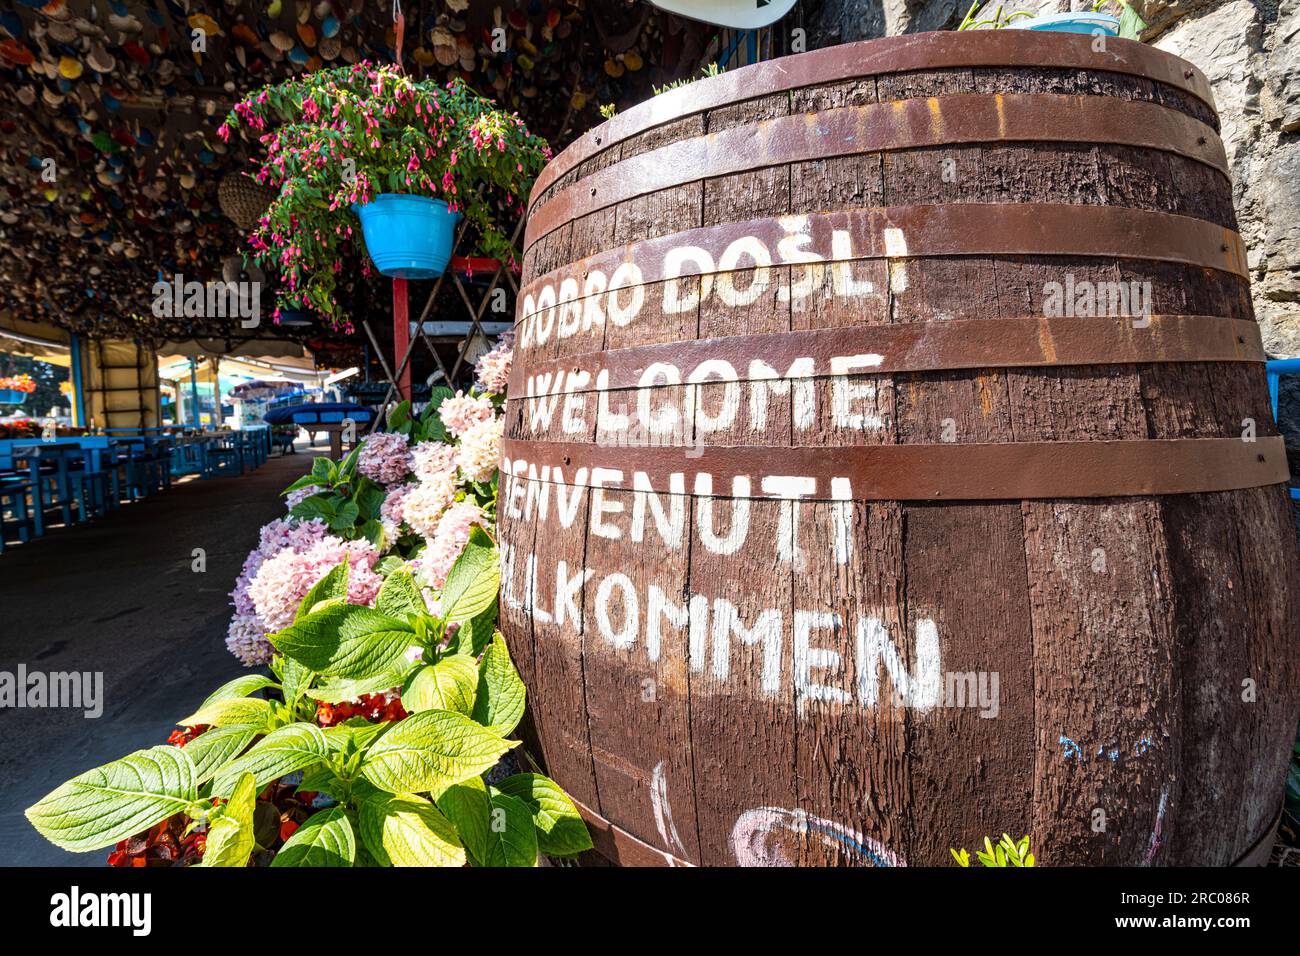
<point>88,484</point>
<point>252,444</point>
<point>45,465</point>
<point>225,455</point>
<point>14,512</point>
<point>1276,369</point>
<point>188,459</point>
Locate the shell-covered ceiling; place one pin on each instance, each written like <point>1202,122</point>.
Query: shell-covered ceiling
<point>112,168</point>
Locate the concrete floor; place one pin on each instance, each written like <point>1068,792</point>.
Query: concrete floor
<point>119,596</point>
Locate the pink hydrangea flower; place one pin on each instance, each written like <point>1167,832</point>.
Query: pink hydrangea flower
<point>423,506</point>
<point>283,581</point>
<point>448,540</point>
<point>246,639</point>
<point>391,511</point>
<point>492,370</point>
<point>460,413</point>
<point>433,459</point>
<point>274,538</point>
<point>385,458</point>
<point>294,498</point>
<point>480,449</point>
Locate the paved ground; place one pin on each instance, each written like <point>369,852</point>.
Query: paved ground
<point>119,596</point>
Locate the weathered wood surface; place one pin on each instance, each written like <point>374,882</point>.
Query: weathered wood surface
<point>772,681</point>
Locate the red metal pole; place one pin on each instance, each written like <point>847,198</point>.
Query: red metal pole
<point>401,337</point>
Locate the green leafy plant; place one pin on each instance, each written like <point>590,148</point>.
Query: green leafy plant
<point>411,792</point>
<point>341,136</point>
<point>1007,852</point>
<point>711,69</point>
<point>349,503</point>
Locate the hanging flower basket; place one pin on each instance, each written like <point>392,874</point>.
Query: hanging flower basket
<point>409,157</point>
<point>408,237</point>
<point>14,389</point>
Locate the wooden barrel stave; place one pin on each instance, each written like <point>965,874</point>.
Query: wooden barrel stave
<point>634,738</point>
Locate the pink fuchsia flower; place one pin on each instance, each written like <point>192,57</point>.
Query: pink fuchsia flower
<point>433,460</point>
<point>448,541</point>
<point>461,412</point>
<point>282,582</point>
<point>385,458</point>
<point>480,450</point>
<point>493,368</point>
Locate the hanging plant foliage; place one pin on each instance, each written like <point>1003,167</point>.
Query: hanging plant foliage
<point>343,136</point>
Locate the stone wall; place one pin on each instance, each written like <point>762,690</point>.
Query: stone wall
<point>1250,51</point>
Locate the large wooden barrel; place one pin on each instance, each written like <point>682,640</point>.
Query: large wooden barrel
<point>889,463</point>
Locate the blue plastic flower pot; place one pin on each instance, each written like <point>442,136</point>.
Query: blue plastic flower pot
<point>11,396</point>
<point>408,237</point>
<point>295,317</point>
<point>1093,23</point>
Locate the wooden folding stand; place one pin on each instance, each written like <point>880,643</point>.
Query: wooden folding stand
<point>399,380</point>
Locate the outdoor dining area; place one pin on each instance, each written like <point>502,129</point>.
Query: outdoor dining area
<point>71,480</point>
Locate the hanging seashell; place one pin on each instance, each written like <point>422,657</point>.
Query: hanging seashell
<point>100,60</point>
<point>201,21</point>
<point>281,41</point>
<point>62,32</point>
<point>127,24</point>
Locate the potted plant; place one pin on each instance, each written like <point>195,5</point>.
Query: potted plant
<point>280,771</point>
<point>14,389</point>
<point>408,157</point>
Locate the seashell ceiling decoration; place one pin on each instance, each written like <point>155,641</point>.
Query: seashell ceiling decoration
<point>112,170</point>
